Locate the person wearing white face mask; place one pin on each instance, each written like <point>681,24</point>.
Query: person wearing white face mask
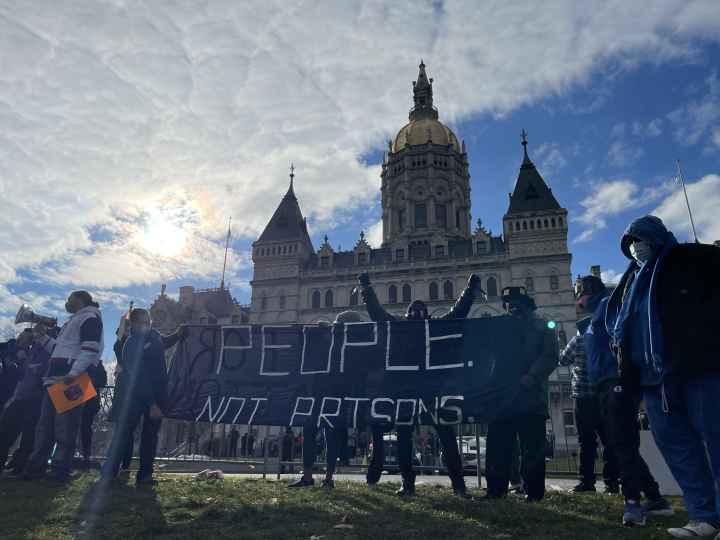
<point>663,319</point>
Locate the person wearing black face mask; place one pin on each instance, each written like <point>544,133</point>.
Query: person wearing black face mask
<point>144,396</point>
<point>528,417</point>
<point>417,311</point>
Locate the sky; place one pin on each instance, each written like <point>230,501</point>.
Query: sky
<point>130,131</point>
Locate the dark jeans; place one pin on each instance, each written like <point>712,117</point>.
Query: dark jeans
<point>19,418</point>
<point>333,445</point>
<point>687,433</point>
<point>90,409</point>
<point>128,421</point>
<point>450,455</point>
<point>619,409</point>
<point>501,436</point>
<point>55,429</point>
<point>590,428</point>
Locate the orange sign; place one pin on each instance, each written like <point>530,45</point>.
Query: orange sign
<point>64,395</point>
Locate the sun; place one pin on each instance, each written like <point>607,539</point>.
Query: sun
<point>162,235</point>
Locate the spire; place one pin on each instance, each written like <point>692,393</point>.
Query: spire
<point>288,222</point>
<point>227,247</point>
<point>523,135</point>
<point>423,96</point>
<point>292,175</point>
<point>531,193</point>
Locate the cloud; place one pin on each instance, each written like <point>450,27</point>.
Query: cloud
<point>695,122</point>
<point>551,158</point>
<point>621,155</point>
<point>704,196</point>
<point>110,113</point>
<point>651,129</point>
<point>375,234</point>
<point>613,198</point>
<point>610,276</point>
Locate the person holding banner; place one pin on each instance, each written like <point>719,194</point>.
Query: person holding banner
<point>143,398</point>
<point>417,311</point>
<point>530,409</point>
<point>78,347</point>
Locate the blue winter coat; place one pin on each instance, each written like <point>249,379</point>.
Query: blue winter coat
<point>633,322</point>
<point>601,363</point>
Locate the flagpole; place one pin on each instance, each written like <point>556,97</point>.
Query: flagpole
<point>687,201</point>
<point>227,246</point>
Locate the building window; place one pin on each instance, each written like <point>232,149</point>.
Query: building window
<point>329,299</point>
<point>325,261</point>
<point>529,284</point>
<point>406,293</point>
<point>552,221</point>
<point>439,251</point>
<point>441,215</point>
<point>448,291</point>
<point>457,219</point>
<point>492,288</point>
<point>545,221</point>
<point>316,300</point>
<point>401,220</point>
<point>354,297</point>
<point>392,294</point>
<point>481,246</point>
<point>399,254</point>
<point>569,422</point>
<point>524,225</point>
<point>560,221</point>
<point>554,283</point>
<point>433,291</point>
<point>362,257</point>
<point>420,215</point>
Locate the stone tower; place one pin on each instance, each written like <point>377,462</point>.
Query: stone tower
<point>425,181</point>
<point>535,232</point>
<point>278,255</point>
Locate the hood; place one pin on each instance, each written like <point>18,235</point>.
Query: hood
<point>648,228</point>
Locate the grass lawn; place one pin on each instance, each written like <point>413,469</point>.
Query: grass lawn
<point>179,507</point>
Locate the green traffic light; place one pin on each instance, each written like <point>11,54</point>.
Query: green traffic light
<point>551,325</point>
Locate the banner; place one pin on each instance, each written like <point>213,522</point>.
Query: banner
<point>405,372</point>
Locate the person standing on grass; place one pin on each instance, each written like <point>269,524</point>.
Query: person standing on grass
<point>663,319</point>
<point>417,311</point>
<point>77,348</point>
<point>22,412</point>
<point>589,292</point>
<point>530,409</point>
<point>144,397</point>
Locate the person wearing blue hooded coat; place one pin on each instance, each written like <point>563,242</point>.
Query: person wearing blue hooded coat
<point>663,319</point>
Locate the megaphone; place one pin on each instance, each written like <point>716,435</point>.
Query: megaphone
<point>26,315</point>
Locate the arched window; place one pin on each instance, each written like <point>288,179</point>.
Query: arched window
<point>492,288</point>
<point>545,222</point>
<point>552,222</point>
<point>329,299</point>
<point>448,291</point>
<point>354,297</point>
<point>554,283</point>
<point>517,226</point>
<point>529,284</point>
<point>524,225</point>
<point>406,293</point>
<point>316,299</point>
<point>433,291</point>
<point>539,224</point>
<point>392,294</point>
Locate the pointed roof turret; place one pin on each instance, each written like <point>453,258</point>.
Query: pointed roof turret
<point>423,97</point>
<point>288,222</point>
<point>531,193</point>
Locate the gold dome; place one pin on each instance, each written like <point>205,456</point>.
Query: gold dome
<point>423,130</point>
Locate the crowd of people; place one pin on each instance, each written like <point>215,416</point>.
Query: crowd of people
<point>650,340</point>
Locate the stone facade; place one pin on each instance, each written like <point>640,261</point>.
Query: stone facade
<point>429,247</point>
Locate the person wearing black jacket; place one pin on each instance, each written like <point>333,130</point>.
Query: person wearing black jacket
<point>417,311</point>
<point>143,396</point>
<point>529,412</point>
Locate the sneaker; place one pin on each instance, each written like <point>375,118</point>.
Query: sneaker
<point>302,482</point>
<point>658,507</point>
<point>328,485</point>
<point>694,529</point>
<point>407,490</point>
<point>583,487</point>
<point>633,515</point>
